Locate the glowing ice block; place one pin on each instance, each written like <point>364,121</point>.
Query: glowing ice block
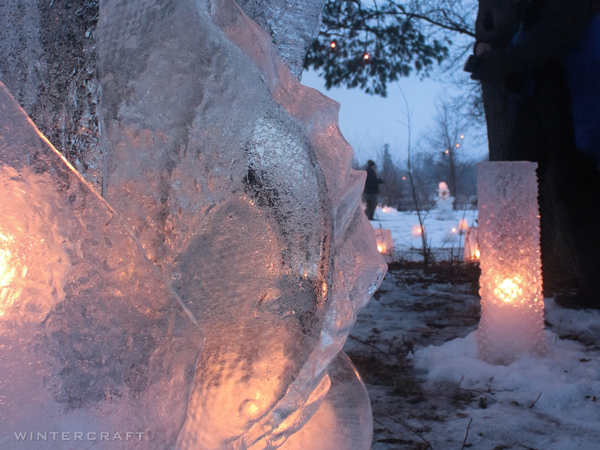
<point>239,185</point>
<point>92,340</point>
<point>512,306</point>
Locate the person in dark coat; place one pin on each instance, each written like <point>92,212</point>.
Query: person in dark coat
<point>371,192</point>
<point>551,68</point>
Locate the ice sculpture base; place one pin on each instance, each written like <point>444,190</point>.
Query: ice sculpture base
<point>344,420</point>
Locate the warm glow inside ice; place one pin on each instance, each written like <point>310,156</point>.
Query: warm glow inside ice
<point>509,239</point>
<point>508,290</point>
<point>416,231</point>
<point>91,335</point>
<point>7,271</point>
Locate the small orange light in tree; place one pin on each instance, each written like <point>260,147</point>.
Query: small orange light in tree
<point>333,45</point>
<point>366,56</point>
<point>447,152</point>
<point>462,136</point>
<point>404,178</point>
<point>457,145</point>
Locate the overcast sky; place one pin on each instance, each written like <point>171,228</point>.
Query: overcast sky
<point>368,122</point>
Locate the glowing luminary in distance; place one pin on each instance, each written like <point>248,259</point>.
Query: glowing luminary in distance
<point>512,306</point>
<point>415,231</point>
<point>471,251</point>
<point>385,244</point>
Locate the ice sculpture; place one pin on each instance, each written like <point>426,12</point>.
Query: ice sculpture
<point>96,350</point>
<point>48,63</point>
<point>292,24</point>
<point>512,306</point>
<point>344,419</point>
<point>239,185</point>
<point>445,202</point>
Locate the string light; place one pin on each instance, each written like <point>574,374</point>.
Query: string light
<point>366,56</point>
<point>333,45</point>
<point>462,136</point>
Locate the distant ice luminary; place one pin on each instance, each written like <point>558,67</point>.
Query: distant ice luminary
<point>415,231</point>
<point>512,306</point>
<point>385,244</point>
<point>471,252</point>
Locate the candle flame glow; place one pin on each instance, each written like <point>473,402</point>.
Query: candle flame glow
<point>477,254</point>
<point>508,290</point>
<point>380,248</point>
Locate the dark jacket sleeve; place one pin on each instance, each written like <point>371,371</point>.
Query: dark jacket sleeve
<point>558,25</point>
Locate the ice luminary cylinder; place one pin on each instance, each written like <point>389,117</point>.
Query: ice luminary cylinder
<point>512,305</point>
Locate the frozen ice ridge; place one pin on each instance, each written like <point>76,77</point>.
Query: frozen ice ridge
<point>239,185</point>
<point>188,118</point>
<point>92,340</point>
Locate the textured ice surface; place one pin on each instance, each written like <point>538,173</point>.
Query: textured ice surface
<point>512,306</point>
<point>344,420</point>
<point>238,184</point>
<point>47,62</point>
<point>91,338</point>
<point>292,24</point>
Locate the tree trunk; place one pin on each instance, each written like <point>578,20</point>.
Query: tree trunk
<point>535,123</point>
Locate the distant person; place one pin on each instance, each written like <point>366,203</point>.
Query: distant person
<point>371,192</point>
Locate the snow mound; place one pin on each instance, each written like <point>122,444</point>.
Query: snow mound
<point>519,399</point>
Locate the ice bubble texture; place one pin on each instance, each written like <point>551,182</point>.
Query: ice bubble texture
<point>238,183</point>
<point>92,339</point>
<point>48,63</point>
<point>292,24</point>
<point>512,305</point>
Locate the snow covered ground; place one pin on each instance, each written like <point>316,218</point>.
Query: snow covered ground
<point>444,236</point>
<point>414,345</point>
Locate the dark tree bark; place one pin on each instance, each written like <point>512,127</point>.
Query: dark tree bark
<point>528,114</point>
